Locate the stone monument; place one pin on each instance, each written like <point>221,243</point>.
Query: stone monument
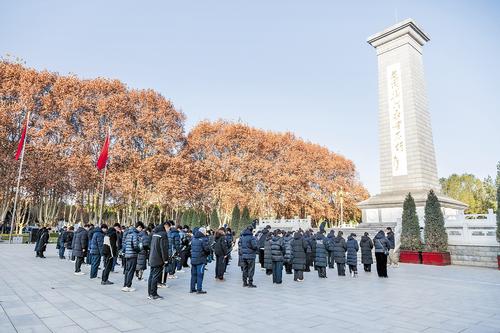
<point>407,158</point>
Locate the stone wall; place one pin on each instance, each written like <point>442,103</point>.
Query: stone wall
<point>474,255</point>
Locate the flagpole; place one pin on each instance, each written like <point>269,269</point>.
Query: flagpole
<point>13,215</point>
<point>104,181</point>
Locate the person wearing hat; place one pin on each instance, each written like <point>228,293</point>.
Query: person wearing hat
<point>352,254</point>
<point>200,249</point>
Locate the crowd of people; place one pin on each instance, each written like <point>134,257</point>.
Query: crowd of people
<point>168,249</point>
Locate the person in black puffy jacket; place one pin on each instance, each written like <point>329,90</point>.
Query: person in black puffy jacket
<point>68,242</point>
<point>142,257</point>
<point>247,250</point>
<point>352,254</point>
<point>109,252</point>
<point>299,249</point>
<point>366,245</point>
<point>158,257</point>
<point>268,261</point>
<point>330,237</point>
<point>221,252</point>
<point>339,249</point>
<point>277,256</point>
<point>320,246</point>
<point>287,259</point>
<point>80,246</point>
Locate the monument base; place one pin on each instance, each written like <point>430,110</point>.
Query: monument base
<point>388,207</point>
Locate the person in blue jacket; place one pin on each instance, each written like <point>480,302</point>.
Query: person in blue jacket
<point>200,249</point>
<point>96,247</point>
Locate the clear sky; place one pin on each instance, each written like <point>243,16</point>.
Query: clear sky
<point>300,66</point>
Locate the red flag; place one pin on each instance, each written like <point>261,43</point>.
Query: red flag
<point>21,143</point>
<point>103,158</point>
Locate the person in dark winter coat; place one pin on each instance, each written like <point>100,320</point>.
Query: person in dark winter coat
<point>158,257</point>
<point>186,247</point>
<point>309,254</point>
<point>352,254</point>
<point>142,257</point>
<point>366,245</point>
<point>268,262</point>
<point>382,246</point>
<point>320,247</point>
<point>287,258</point>
<point>68,242</point>
<point>200,249</point>
<point>174,242</point>
<point>131,249</point>
<point>96,248</point>
<point>299,249</point>
<point>221,252</point>
<point>90,235</point>
<point>261,240</point>
<point>119,234</point>
<point>392,258</point>
<point>247,249</point>
<point>41,243</point>
<point>339,249</point>
<point>109,252</point>
<point>80,246</point>
<point>331,260</point>
<point>61,239</point>
<point>229,241</point>
<point>277,256</point>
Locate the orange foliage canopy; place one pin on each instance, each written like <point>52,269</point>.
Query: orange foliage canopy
<point>154,169</point>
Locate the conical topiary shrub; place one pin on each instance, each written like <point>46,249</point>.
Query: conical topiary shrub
<point>436,238</point>
<point>410,232</point>
<point>235,219</point>
<point>214,220</point>
<point>245,218</point>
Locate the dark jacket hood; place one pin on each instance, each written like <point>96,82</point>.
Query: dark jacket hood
<point>380,235</point>
<point>246,232</point>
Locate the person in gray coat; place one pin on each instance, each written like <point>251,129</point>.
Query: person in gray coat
<point>366,245</point>
<point>352,254</point>
<point>339,249</point>
<point>382,246</point>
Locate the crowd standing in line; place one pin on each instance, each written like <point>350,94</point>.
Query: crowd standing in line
<point>167,248</point>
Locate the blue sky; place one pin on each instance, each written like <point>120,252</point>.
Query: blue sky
<point>299,66</point>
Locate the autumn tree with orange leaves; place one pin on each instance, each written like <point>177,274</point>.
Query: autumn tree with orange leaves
<point>155,172</point>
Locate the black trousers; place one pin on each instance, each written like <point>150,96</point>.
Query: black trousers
<point>261,258</point>
<point>154,279</point>
<point>288,268</point>
<point>248,270</point>
<point>381,264</point>
<point>321,271</point>
<point>341,269</point>
<point>298,274</point>
<point>353,268</point>
<point>184,258</point>
<point>368,268</point>
<point>130,265</point>
<point>331,261</point>
<point>108,263</point>
<point>220,267</point>
<point>78,264</point>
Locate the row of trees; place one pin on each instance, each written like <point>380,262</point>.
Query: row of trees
<point>479,195</point>
<point>155,170</point>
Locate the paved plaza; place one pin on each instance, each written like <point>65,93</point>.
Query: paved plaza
<point>44,296</point>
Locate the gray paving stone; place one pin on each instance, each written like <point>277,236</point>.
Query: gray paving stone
<point>414,298</point>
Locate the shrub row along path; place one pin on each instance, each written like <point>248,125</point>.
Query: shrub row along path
<point>43,295</point>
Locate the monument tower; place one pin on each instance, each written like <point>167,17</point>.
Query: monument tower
<point>407,157</point>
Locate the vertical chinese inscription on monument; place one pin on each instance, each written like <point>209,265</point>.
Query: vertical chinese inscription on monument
<point>396,120</point>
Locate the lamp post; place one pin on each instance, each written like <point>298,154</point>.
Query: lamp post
<point>339,195</point>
